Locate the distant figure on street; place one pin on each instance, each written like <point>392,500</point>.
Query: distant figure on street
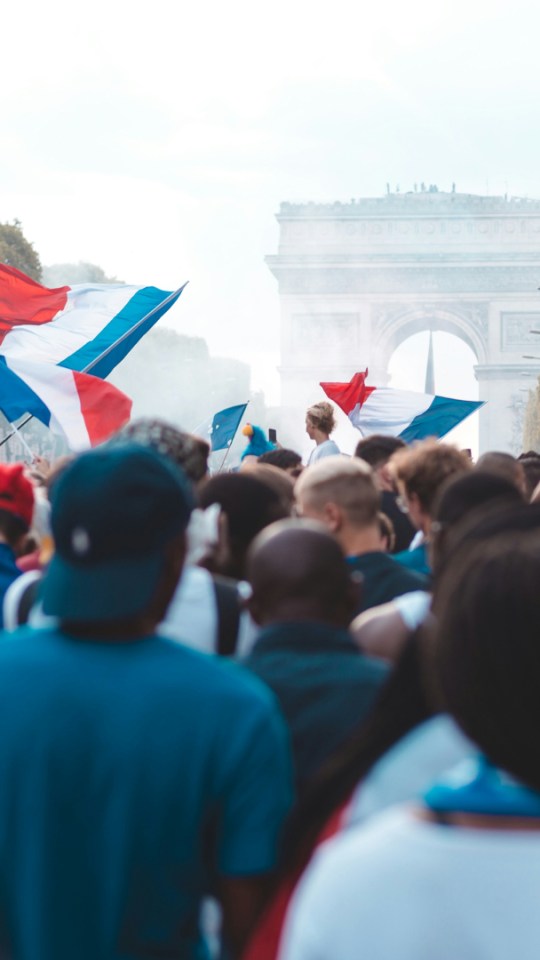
<point>320,422</point>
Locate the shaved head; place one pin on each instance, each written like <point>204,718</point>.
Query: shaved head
<point>297,572</point>
<point>347,482</point>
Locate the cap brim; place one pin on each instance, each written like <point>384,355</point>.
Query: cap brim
<point>113,590</point>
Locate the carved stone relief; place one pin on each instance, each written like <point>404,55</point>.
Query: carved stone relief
<point>324,334</point>
<point>516,330</point>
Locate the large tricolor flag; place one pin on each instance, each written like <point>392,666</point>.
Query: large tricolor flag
<point>87,327</point>
<point>398,413</point>
<point>83,409</point>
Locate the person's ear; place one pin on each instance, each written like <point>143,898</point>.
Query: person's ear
<point>333,516</point>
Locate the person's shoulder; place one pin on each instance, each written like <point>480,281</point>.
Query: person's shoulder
<point>360,851</point>
<point>418,579</point>
<point>224,677</point>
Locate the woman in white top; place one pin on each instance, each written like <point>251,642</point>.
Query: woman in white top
<point>456,875</point>
<point>320,422</point>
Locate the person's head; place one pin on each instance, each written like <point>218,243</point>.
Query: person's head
<point>487,653</point>
<point>248,505</point>
<point>187,451</point>
<point>278,480</point>
<point>16,505</point>
<point>287,460</point>
<point>376,450</point>
<point>420,471</point>
<point>339,492</point>
<point>119,515</point>
<point>298,572</point>
<point>503,465</point>
<point>461,498</point>
<point>320,420</point>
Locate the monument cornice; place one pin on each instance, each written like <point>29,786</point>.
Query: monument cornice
<point>309,261</point>
<point>416,204</point>
<point>390,279</point>
<point>506,371</point>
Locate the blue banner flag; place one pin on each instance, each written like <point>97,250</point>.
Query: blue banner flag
<point>220,430</point>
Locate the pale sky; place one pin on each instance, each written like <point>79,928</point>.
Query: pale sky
<point>159,140</point>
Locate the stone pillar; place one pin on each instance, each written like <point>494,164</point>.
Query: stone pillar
<point>504,388</point>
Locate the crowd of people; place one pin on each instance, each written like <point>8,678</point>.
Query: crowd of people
<point>285,712</point>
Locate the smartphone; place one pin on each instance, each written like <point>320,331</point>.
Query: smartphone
<point>272,435</point>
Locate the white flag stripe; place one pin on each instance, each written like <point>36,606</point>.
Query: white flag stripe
<point>389,411</point>
<point>56,387</point>
<point>88,310</point>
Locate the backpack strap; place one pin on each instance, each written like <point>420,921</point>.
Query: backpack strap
<point>228,610</point>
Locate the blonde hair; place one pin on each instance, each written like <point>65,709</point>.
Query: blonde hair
<point>346,481</point>
<point>322,417</point>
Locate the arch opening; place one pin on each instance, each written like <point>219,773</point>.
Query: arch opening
<point>453,369</point>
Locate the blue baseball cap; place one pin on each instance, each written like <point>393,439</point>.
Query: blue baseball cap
<point>114,510</point>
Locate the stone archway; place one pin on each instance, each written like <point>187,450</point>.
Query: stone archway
<point>468,325</point>
<point>357,279</point>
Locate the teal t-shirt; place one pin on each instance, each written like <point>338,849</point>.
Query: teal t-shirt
<point>132,775</point>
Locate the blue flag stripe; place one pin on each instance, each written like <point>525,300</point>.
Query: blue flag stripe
<point>143,302</point>
<point>17,398</point>
<point>441,416</point>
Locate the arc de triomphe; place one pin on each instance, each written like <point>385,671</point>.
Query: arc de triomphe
<point>358,278</point>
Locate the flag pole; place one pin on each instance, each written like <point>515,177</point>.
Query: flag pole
<point>164,303</point>
<point>16,430</point>
<point>232,440</point>
<point>226,455</point>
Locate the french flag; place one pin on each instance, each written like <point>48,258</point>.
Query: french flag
<point>83,409</point>
<point>87,327</point>
<point>398,413</point>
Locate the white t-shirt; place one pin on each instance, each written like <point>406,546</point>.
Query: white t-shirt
<point>410,767</point>
<point>192,616</point>
<point>405,889</point>
<point>325,449</point>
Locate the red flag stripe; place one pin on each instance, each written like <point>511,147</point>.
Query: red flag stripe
<point>349,395</point>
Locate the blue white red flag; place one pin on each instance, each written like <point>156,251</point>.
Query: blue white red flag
<point>398,413</point>
<point>87,327</point>
<point>83,409</point>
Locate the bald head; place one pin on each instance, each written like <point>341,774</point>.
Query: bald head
<point>297,572</point>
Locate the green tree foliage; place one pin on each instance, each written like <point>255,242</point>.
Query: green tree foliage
<point>17,251</point>
<point>66,274</point>
<point>531,427</point>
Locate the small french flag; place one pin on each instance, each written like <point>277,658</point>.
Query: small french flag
<point>398,413</point>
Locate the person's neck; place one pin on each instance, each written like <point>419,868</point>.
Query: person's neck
<point>320,437</point>
<point>297,612</point>
<point>354,542</point>
<point>111,631</point>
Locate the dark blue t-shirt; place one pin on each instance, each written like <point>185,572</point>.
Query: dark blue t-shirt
<point>132,774</point>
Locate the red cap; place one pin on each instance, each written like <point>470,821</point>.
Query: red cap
<point>16,492</point>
